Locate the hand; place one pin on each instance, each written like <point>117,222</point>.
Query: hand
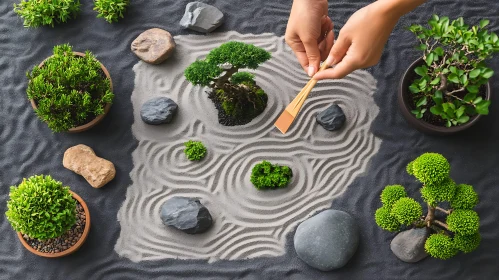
<point>305,34</point>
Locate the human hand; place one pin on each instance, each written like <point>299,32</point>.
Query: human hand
<point>305,34</point>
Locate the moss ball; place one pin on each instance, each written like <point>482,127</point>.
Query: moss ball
<point>465,197</point>
<point>467,243</point>
<point>385,220</point>
<point>391,194</point>
<point>406,210</point>
<point>463,222</point>
<point>440,246</point>
<point>431,168</point>
<point>434,194</point>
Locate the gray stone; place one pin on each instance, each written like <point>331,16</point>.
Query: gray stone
<point>186,214</point>
<point>408,245</point>
<point>332,118</point>
<point>327,240</point>
<point>154,45</point>
<point>201,17</point>
<point>158,110</point>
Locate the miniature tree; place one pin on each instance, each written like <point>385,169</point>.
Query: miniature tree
<point>460,230</point>
<point>236,95</point>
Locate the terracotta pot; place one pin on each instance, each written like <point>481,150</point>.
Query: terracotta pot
<point>97,119</point>
<point>403,102</point>
<point>71,249</point>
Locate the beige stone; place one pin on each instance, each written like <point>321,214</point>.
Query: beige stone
<point>154,45</point>
<point>82,160</point>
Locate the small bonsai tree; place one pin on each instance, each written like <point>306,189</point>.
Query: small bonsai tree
<point>236,95</point>
<point>111,10</point>
<point>459,232</point>
<point>41,208</point>
<point>449,90</point>
<point>194,150</point>
<point>46,12</point>
<point>266,175</point>
<point>69,90</point>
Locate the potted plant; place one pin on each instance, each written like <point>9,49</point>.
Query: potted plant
<point>46,12</point>
<point>51,220</point>
<point>236,95</point>
<point>70,91</point>
<point>459,232</point>
<point>447,90</point>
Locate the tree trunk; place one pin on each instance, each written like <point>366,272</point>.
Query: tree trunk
<point>430,216</point>
<point>225,78</point>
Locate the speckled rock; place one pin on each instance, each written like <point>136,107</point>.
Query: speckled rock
<point>201,17</point>
<point>154,45</point>
<point>158,110</point>
<point>332,118</point>
<point>82,160</point>
<point>186,214</point>
<point>408,245</point>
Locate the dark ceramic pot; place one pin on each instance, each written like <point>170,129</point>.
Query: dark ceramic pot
<point>405,108</point>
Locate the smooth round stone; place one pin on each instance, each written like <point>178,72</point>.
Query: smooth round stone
<point>332,118</point>
<point>158,110</point>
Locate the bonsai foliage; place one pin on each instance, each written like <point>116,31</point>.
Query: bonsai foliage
<point>450,83</point>
<point>69,90</point>
<point>459,232</point>
<point>41,208</point>
<point>194,150</point>
<point>237,93</point>
<point>111,10</point>
<point>46,12</point>
<point>266,175</point>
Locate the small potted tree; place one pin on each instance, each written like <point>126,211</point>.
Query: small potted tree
<point>447,89</point>
<point>459,232</point>
<point>236,95</point>
<point>51,220</point>
<point>70,91</point>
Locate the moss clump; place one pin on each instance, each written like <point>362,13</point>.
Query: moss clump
<point>266,175</point>
<point>111,10</point>
<point>385,220</point>
<point>46,12</point>
<point>406,210</point>
<point>391,194</point>
<point>443,191</point>
<point>431,168</point>
<point>467,243</point>
<point>463,222</point>
<point>465,197</point>
<point>440,246</point>
<point>194,150</point>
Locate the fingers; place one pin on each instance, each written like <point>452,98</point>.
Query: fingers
<point>325,43</point>
<point>339,50</point>
<point>342,69</point>
<point>313,55</point>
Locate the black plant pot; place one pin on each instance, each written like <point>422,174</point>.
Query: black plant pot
<point>404,105</point>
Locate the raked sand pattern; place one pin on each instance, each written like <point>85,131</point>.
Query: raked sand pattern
<point>247,223</point>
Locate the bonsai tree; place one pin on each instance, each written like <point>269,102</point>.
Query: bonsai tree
<point>41,208</point>
<point>194,150</point>
<point>266,175</point>
<point>111,10</point>
<point>459,232</point>
<point>69,90</point>
<point>236,95</point>
<point>46,12</point>
<point>450,88</point>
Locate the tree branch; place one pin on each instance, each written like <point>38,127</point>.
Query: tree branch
<point>443,210</point>
<point>439,223</point>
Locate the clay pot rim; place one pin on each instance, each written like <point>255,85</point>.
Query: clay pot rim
<point>422,125</point>
<point>98,118</point>
<point>71,249</point>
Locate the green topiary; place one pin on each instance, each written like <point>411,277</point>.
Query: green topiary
<point>444,191</point>
<point>391,194</point>
<point>440,246</point>
<point>110,10</point>
<point>46,12</point>
<point>41,208</point>
<point>465,197</point>
<point>69,90</point>
<point>240,77</point>
<point>406,210</point>
<point>385,220</point>
<point>463,222</point>
<point>270,176</point>
<point>431,168</point>
<point>194,150</point>
<point>467,243</point>
<point>409,168</point>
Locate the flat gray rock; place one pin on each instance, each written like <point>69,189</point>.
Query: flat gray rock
<point>201,17</point>
<point>408,245</point>
<point>186,214</point>
<point>327,240</point>
<point>332,118</point>
<point>158,110</point>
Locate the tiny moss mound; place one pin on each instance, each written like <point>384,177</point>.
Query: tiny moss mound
<point>266,175</point>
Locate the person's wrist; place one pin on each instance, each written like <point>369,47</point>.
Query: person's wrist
<point>395,9</point>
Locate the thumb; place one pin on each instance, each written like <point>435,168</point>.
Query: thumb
<point>338,51</point>
<point>313,55</point>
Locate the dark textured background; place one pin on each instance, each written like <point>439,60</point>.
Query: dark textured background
<point>28,147</point>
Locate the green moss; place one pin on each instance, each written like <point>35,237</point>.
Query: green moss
<point>463,222</point>
<point>270,176</point>
<point>440,246</point>
<point>391,194</point>
<point>465,197</point>
<point>228,108</point>
<point>407,211</point>
<point>410,168</point>
<point>444,191</point>
<point>194,150</point>
<point>242,77</point>
<point>431,168</point>
<point>385,220</point>
<point>467,243</point>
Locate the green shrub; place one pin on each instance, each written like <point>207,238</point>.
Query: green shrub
<point>385,220</point>
<point>194,150</point>
<point>409,168</point>
<point>41,208</point>
<point>443,191</point>
<point>449,82</point>
<point>240,77</point>
<point>111,10</point>
<point>69,90</point>
<point>440,246</point>
<point>407,211</point>
<point>46,12</point>
<point>431,168</point>
<point>465,197</point>
<point>270,176</point>
<point>391,194</point>
<point>467,243</point>
<point>463,222</point>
